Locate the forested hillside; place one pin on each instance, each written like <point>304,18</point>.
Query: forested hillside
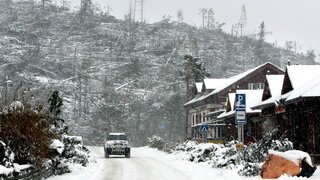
<point>117,75</point>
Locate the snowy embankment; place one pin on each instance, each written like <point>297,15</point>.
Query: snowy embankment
<point>150,163</point>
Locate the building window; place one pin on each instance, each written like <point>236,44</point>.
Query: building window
<point>255,85</point>
<point>193,119</point>
<point>197,118</point>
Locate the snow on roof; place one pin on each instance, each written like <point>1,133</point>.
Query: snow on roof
<point>218,112</point>
<point>192,101</point>
<point>116,134</point>
<point>310,88</point>
<point>236,78</point>
<point>227,82</point>
<point>252,97</point>
<point>269,102</point>
<point>214,83</point>
<point>299,74</point>
<point>275,84</point>
<point>293,155</point>
<point>306,85</point>
<point>199,86</point>
<point>226,114</point>
<point>231,99</point>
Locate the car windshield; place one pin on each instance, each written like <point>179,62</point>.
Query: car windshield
<point>117,137</point>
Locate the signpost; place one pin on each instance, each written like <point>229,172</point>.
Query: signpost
<point>240,119</point>
<point>204,130</point>
<point>162,126</point>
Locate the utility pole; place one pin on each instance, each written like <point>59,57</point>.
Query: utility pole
<point>189,59</point>
<point>8,84</point>
<point>138,6</point>
<point>142,10</point>
<point>243,19</point>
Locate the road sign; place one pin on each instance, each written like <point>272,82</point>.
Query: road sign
<point>162,126</point>
<point>241,101</point>
<point>204,128</point>
<point>241,117</point>
<point>240,109</point>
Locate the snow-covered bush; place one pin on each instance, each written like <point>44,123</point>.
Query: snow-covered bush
<point>57,146</point>
<point>74,151</point>
<point>69,151</point>
<point>186,146</point>
<point>257,152</point>
<point>6,155</point>
<point>59,127</point>
<point>248,162</point>
<point>249,169</point>
<point>9,169</point>
<point>27,132</point>
<point>162,144</point>
<point>218,155</point>
<point>6,161</point>
<point>202,153</point>
<point>225,155</point>
<point>156,142</point>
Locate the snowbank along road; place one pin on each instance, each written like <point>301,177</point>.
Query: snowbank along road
<point>150,164</point>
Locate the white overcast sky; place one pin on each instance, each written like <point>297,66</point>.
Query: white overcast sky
<point>295,20</point>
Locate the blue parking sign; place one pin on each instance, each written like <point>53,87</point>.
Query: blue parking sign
<point>240,106</point>
<point>240,101</point>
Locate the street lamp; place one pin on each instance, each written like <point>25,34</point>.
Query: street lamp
<point>8,84</point>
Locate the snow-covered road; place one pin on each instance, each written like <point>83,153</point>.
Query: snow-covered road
<point>145,164</point>
<point>148,163</point>
<point>141,166</point>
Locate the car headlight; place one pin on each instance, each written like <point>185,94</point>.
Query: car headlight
<point>127,145</point>
<point>107,145</point>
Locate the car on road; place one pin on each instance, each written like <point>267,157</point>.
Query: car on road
<point>117,144</point>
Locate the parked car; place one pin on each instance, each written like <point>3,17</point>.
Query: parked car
<point>117,144</point>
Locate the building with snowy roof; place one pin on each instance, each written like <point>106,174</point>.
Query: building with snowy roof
<point>204,109</point>
<point>293,107</point>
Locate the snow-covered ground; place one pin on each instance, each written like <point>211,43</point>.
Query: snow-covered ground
<point>149,163</point>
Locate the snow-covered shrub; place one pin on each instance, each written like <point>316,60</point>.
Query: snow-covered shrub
<point>224,155</point>
<point>69,151</point>
<point>186,146</point>
<point>62,167</point>
<point>9,169</point>
<point>59,127</point>
<point>57,146</point>
<point>74,151</point>
<point>218,155</point>
<point>156,142</point>
<point>6,161</point>
<point>169,146</point>
<point>6,155</point>
<point>28,134</point>
<point>257,152</point>
<point>202,152</point>
<point>249,169</point>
